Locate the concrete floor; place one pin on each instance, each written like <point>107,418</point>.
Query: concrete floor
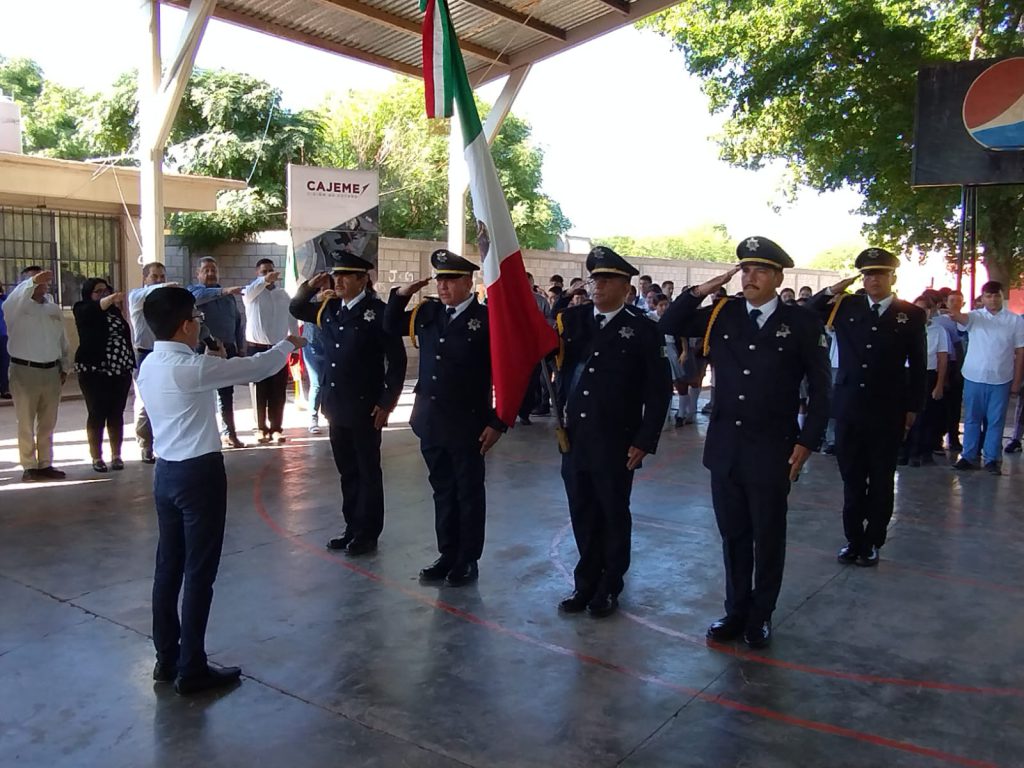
<point>915,663</point>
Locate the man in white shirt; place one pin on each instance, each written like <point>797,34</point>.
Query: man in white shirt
<point>154,276</point>
<point>189,485</point>
<point>930,425</point>
<point>40,362</point>
<point>994,359</point>
<point>268,321</point>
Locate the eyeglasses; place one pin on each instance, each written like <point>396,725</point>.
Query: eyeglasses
<point>198,316</point>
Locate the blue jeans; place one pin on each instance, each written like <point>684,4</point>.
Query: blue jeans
<point>315,371</point>
<point>191,502</point>
<point>984,404</point>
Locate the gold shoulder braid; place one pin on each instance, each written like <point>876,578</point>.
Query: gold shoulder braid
<point>412,325</point>
<point>560,326</point>
<point>319,312</point>
<point>835,310</point>
<point>711,323</point>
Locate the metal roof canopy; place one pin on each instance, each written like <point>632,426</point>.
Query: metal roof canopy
<point>497,38</point>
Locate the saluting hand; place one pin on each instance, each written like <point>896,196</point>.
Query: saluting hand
<point>842,285</point>
<point>487,439</point>
<point>380,417</point>
<point>797,459</point>
<point>634,457</point>
<point>319,280</point>
<point>410,288</point>
<point>712,285</point>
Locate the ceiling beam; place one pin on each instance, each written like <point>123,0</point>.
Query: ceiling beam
<point>277,30</point>
<point>601,25</point>
<point>620,6</point>
<point>408,26</point>
<point>556,33</point>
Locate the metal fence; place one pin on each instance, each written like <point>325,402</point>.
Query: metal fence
<point>74,246</point>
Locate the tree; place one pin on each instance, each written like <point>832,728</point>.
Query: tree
<point>838,258</point>
<point>55,120</point>
<point>829,88</point>
<point>389,130</point>
<point>708,242</point>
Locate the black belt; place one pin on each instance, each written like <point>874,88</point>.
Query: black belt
<point>31,364</point>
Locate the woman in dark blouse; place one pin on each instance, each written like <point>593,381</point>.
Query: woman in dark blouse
<point>104,363</point>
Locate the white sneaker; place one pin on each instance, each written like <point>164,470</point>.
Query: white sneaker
<point>314,426</point>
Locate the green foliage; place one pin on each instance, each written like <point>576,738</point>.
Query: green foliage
<point>838,258</point>
<point>829,89</point>
<point>389,130</point>
<point>708,242</point>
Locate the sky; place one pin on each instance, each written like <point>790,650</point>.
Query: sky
<point>627,138</point>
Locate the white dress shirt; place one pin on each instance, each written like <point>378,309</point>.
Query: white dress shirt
<point>766,310</point>
<point>461,306</point>
<point>267,319</point>
<point>992,339</point>
<point>938,341</point>
<point>608,316</point>
<point>180,387</point>
<point>142,336</point>
<point>882,305</point>
<point>35,332</point>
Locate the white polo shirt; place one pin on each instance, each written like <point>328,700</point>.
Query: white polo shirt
<point>992,339</point>
<point>938,341</point>
<point>267,319</point>
<point>180,387</point>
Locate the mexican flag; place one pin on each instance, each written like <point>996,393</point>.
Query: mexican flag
<point>520,336</point>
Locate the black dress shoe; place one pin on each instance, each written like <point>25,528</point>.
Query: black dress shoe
<point>358,547</point>
<point>869,558</point>
<point>165,673</point>
<point>848,554</point>
<point>525,421</point>
<point>28,476</point>
<point>992,467</point>
<point>726,629</point>
<point>462,574</point>
<point>602,605</point>
<point>213,678</point>
<point>964,464</point>
<point>574,603</point>
<point>437,570</point>
<point>339,542</point>
<point>759,636</point>
<point>117,464</point>
<point>49,473</point>
<point>99,465</point>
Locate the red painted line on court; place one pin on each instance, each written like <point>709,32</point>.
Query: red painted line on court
<point>768,714</point>
<point>791,665</point>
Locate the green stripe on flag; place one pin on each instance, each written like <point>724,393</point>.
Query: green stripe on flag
<point>455,73</point>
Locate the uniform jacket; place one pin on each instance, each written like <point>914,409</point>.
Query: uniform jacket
<point>364,366</point>
<point>881,363</point>
<point>613,384</point>
<point>453,395</point>
<point>753,424</point>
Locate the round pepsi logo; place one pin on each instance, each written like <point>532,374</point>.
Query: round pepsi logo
<point>994,106</point>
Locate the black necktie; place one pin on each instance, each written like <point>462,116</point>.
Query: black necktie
<point>876,309</point>
<point>449,315</point>
<point>600,320</point>
<point>754,314</point>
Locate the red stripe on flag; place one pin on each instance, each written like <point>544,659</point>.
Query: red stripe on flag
<point>428,57</point>
<point>520,336</point>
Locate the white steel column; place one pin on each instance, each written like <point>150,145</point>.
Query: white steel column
<point>159,98</point>
<point>458,172</point>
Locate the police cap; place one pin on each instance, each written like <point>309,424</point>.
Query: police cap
<point>349,262</point>
<point>603,261</point>
<point>760,251</point>
<point>448,264</point>
<point>876,259</point>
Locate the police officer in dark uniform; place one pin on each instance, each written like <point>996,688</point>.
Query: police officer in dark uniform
<point>880,387</point>
<point>364,373</point>
<point>453,415</point>
<point>761,349</point>
<point>614,388</point>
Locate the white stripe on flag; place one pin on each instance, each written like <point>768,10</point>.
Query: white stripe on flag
<point>490,205</point>
<point>440,86</point>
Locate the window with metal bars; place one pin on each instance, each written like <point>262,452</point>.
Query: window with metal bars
<point>74,246</point>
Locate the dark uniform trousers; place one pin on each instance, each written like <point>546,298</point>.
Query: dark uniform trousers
<point>866,451</point>
<point>752,432</point>
<point>191,503</point>
<point>614,385</point>
<point>270,395</point>
<point>356,450</point>
<point>930,424</point>
<point>453,407</point>
<point>751,519</point>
